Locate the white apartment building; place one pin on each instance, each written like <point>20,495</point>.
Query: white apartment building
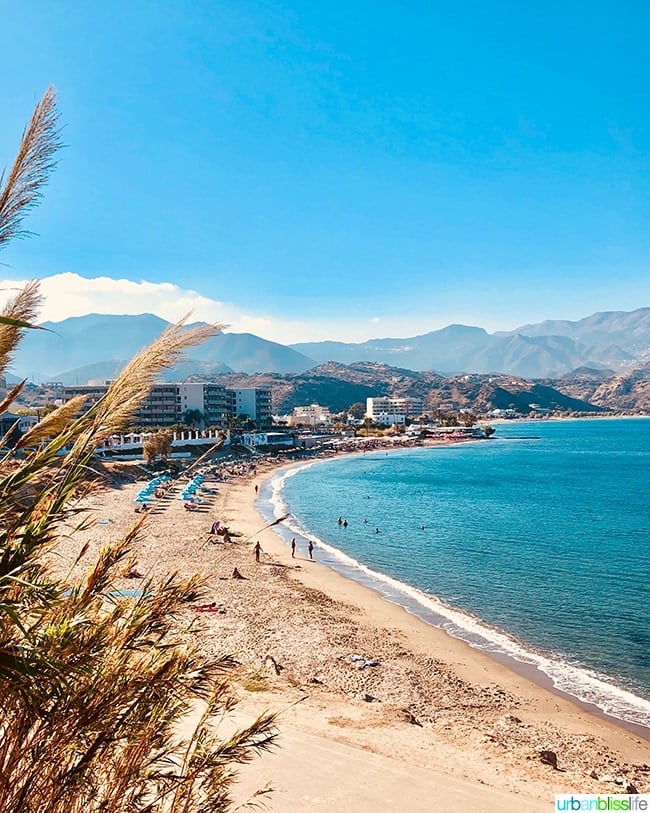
<point>255,403</point>
<point>390,411</point>
<point>311,415</point>
<point>211,400</point>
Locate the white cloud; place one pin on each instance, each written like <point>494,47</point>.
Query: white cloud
<point>69,294</point>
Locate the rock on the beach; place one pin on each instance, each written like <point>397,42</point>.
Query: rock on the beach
<point>549,757</point>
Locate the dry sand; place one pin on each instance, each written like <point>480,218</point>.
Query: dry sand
<point>435,724</point>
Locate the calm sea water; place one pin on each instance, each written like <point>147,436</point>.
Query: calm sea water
<point>533,545</point>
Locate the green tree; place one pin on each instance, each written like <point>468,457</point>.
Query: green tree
<point>357,410</point>
<point>467,418</point>
<point>93,685</point>
<point>193,418</point>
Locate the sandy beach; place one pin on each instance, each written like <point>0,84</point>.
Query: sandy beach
<point>378,709</point>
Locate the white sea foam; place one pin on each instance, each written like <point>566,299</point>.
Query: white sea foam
<point>579,682</point>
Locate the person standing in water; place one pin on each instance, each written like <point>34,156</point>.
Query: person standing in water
<point>310,548</point>
<point>293,548</point>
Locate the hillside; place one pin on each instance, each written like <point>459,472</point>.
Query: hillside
<point>627,392</point>
<point>337,386</point>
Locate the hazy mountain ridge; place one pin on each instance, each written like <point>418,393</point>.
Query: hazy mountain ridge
<point>628,329</point>
<point>90,347</point>
<point>68,350</point>
<point>616,340</point>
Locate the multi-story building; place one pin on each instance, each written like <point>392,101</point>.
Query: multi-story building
<point>166,404</point>
<point>311,415</point>
<point>390,411</point>
<point>255,404</point>
<point>160,407</point>
<point>91,392</point>
<point>211,400</point>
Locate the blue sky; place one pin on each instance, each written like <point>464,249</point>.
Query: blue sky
<point>337,170</point>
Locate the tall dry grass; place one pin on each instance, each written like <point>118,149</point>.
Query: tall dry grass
<point>94,687</point>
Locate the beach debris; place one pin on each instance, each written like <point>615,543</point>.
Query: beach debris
<point>410,717</point>
<point>128,593</point>
<point>549,758</point>
<point>276,667</point>
<point>212,607</point>
<point>362,662</point>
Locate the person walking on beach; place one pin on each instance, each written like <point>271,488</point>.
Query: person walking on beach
<point>258,550</point>
<point>256,488</point>
<point>310,548</point>
<point>293,548</point>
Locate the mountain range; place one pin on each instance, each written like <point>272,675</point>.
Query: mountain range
<point>91,347</point>
<point>616,340</point>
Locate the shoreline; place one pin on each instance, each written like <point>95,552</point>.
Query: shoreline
<point>544,704</point>
<point>528,671</point>
<point>433,719</point>
<point>441,616</point>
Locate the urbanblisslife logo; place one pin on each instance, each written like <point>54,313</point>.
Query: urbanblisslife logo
<point>598,802</point>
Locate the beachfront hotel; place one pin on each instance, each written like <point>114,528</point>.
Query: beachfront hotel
<point>167,404</point>
<point>391,411</point>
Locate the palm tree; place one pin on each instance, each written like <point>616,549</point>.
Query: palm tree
<point>94,686</point>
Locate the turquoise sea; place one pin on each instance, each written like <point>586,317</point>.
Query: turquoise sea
<point>533,545</point>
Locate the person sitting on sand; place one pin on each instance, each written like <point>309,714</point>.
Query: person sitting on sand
<point>237,575</point>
